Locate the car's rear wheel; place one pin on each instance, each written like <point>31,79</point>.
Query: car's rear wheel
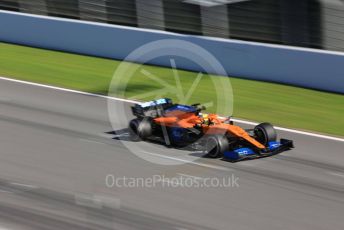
<point>265,133</point>
<point>216,146</point>
<point>140,129</point>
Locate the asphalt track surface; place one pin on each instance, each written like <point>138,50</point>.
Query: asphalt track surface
<point>56,149</point>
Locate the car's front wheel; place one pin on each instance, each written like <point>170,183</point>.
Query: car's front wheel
<point>265,133</point>
<point>215,146</point>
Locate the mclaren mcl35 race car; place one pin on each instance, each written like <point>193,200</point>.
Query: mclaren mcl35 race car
<point>183,125</point>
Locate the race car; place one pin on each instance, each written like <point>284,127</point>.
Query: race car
<point>185,125</point>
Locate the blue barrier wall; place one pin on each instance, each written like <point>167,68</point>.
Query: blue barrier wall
<point>303,67</point>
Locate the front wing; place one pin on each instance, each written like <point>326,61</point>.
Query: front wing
<point>248,153</point>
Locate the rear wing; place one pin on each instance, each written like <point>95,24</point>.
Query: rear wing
<point>152,109</point>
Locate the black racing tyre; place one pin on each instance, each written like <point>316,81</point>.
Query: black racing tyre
<point>215,146</point>
<point>265,133</point>
<point>133,129</point>
<point>140,129</point>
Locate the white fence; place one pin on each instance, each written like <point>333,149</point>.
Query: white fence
<point>309,68</point>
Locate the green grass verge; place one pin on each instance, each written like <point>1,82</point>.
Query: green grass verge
<point>259,101</point>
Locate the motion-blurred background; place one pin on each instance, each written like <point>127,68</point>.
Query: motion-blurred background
<point>304,23</point>
<point>57,146</point>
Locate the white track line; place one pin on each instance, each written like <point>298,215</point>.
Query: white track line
<point>293,131</point>
<point>66,90</point>
<point>189,162</point>
<point>23,185</point>
<point>132,101</point>
<point>191,176</point>
<point>336,174</point>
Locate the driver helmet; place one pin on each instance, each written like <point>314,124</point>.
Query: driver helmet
<point>205,118</point>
